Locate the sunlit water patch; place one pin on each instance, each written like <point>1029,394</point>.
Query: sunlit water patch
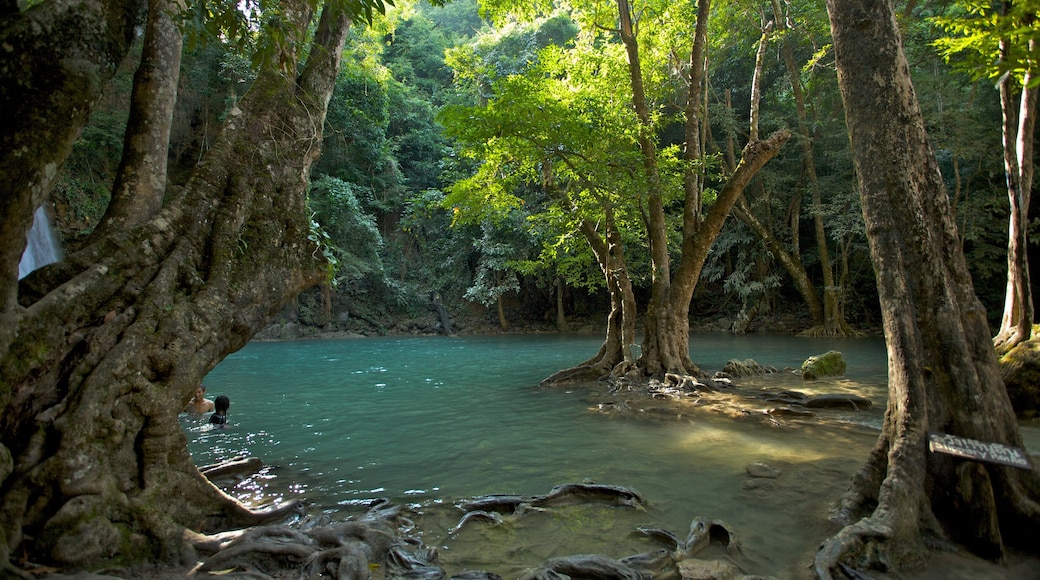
<point>431,420</point>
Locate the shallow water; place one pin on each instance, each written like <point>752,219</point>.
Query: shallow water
<point>431,420</point>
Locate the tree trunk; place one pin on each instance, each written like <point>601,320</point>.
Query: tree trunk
<point>45,110</point>
<point>617,353</point>
<point>447,326</point>
<point>666,343</point>
<point>790,261</point>
<point>503,323</point>
<point>943,374</point>
<point>561,314</point>
<point>141,177</point>
<point>1019,122</point>
<point>833,322</point>
<point>108,350</point>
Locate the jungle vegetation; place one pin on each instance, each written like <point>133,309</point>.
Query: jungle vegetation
<point>403,148</point>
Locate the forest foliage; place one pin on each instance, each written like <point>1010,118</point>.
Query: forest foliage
<point>431,181</point>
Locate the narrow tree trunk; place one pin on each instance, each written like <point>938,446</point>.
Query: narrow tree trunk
<point>833,323</point>
<point>503,323</point>
<point>616,354</point>
<point>791,262</point>
<point>943,374</point>
<point>101,365</point>
<point>1019,122</point>
<point>561,314</point>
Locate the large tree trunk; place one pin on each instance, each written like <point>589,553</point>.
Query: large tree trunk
<point>46,101</point>
<point>943,374</point>
<point>666,346</point>
<point>109,344</point>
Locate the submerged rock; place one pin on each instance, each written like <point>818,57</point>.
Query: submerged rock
<point>762,470</point>
<point>708,570</point>
<point>838,401</point>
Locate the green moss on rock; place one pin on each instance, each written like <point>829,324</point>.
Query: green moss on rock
<point>1020,368</point>
<point>828,364</point>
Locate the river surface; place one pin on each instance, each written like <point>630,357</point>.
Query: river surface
<point>428,421</point>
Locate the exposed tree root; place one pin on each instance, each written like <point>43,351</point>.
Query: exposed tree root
<point>578,374</point>
<point>842,330</point>
<point>386,537</point>
<point>1008,339</point>
<point>854,538</point>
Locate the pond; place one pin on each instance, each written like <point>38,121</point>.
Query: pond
<point>428,421</point>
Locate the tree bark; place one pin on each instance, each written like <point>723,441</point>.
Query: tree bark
<point>617,353</point>
<point>104,356</point>
<point>790,261</point>
<point>1019,123</point>
<point>943,373</point>
<point>46,110</point>
<point>833,322</point>
<point>666,344</point>
<point>140,182</point>
<point>561,314</point>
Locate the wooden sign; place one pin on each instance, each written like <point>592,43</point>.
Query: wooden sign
<point>978,450</point>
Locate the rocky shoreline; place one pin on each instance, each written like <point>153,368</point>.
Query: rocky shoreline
<point>287,326</point>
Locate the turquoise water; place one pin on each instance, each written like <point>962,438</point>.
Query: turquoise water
<point>430,420</point>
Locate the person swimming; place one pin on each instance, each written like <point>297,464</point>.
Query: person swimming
<point>219,417</point>
<point>199,403</point>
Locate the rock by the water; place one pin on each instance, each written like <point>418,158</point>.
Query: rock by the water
<point>762,470</point>
<point>1020,369</point>
<point>745,368</point>
<point>785,396</point>
<point>828,364</point>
